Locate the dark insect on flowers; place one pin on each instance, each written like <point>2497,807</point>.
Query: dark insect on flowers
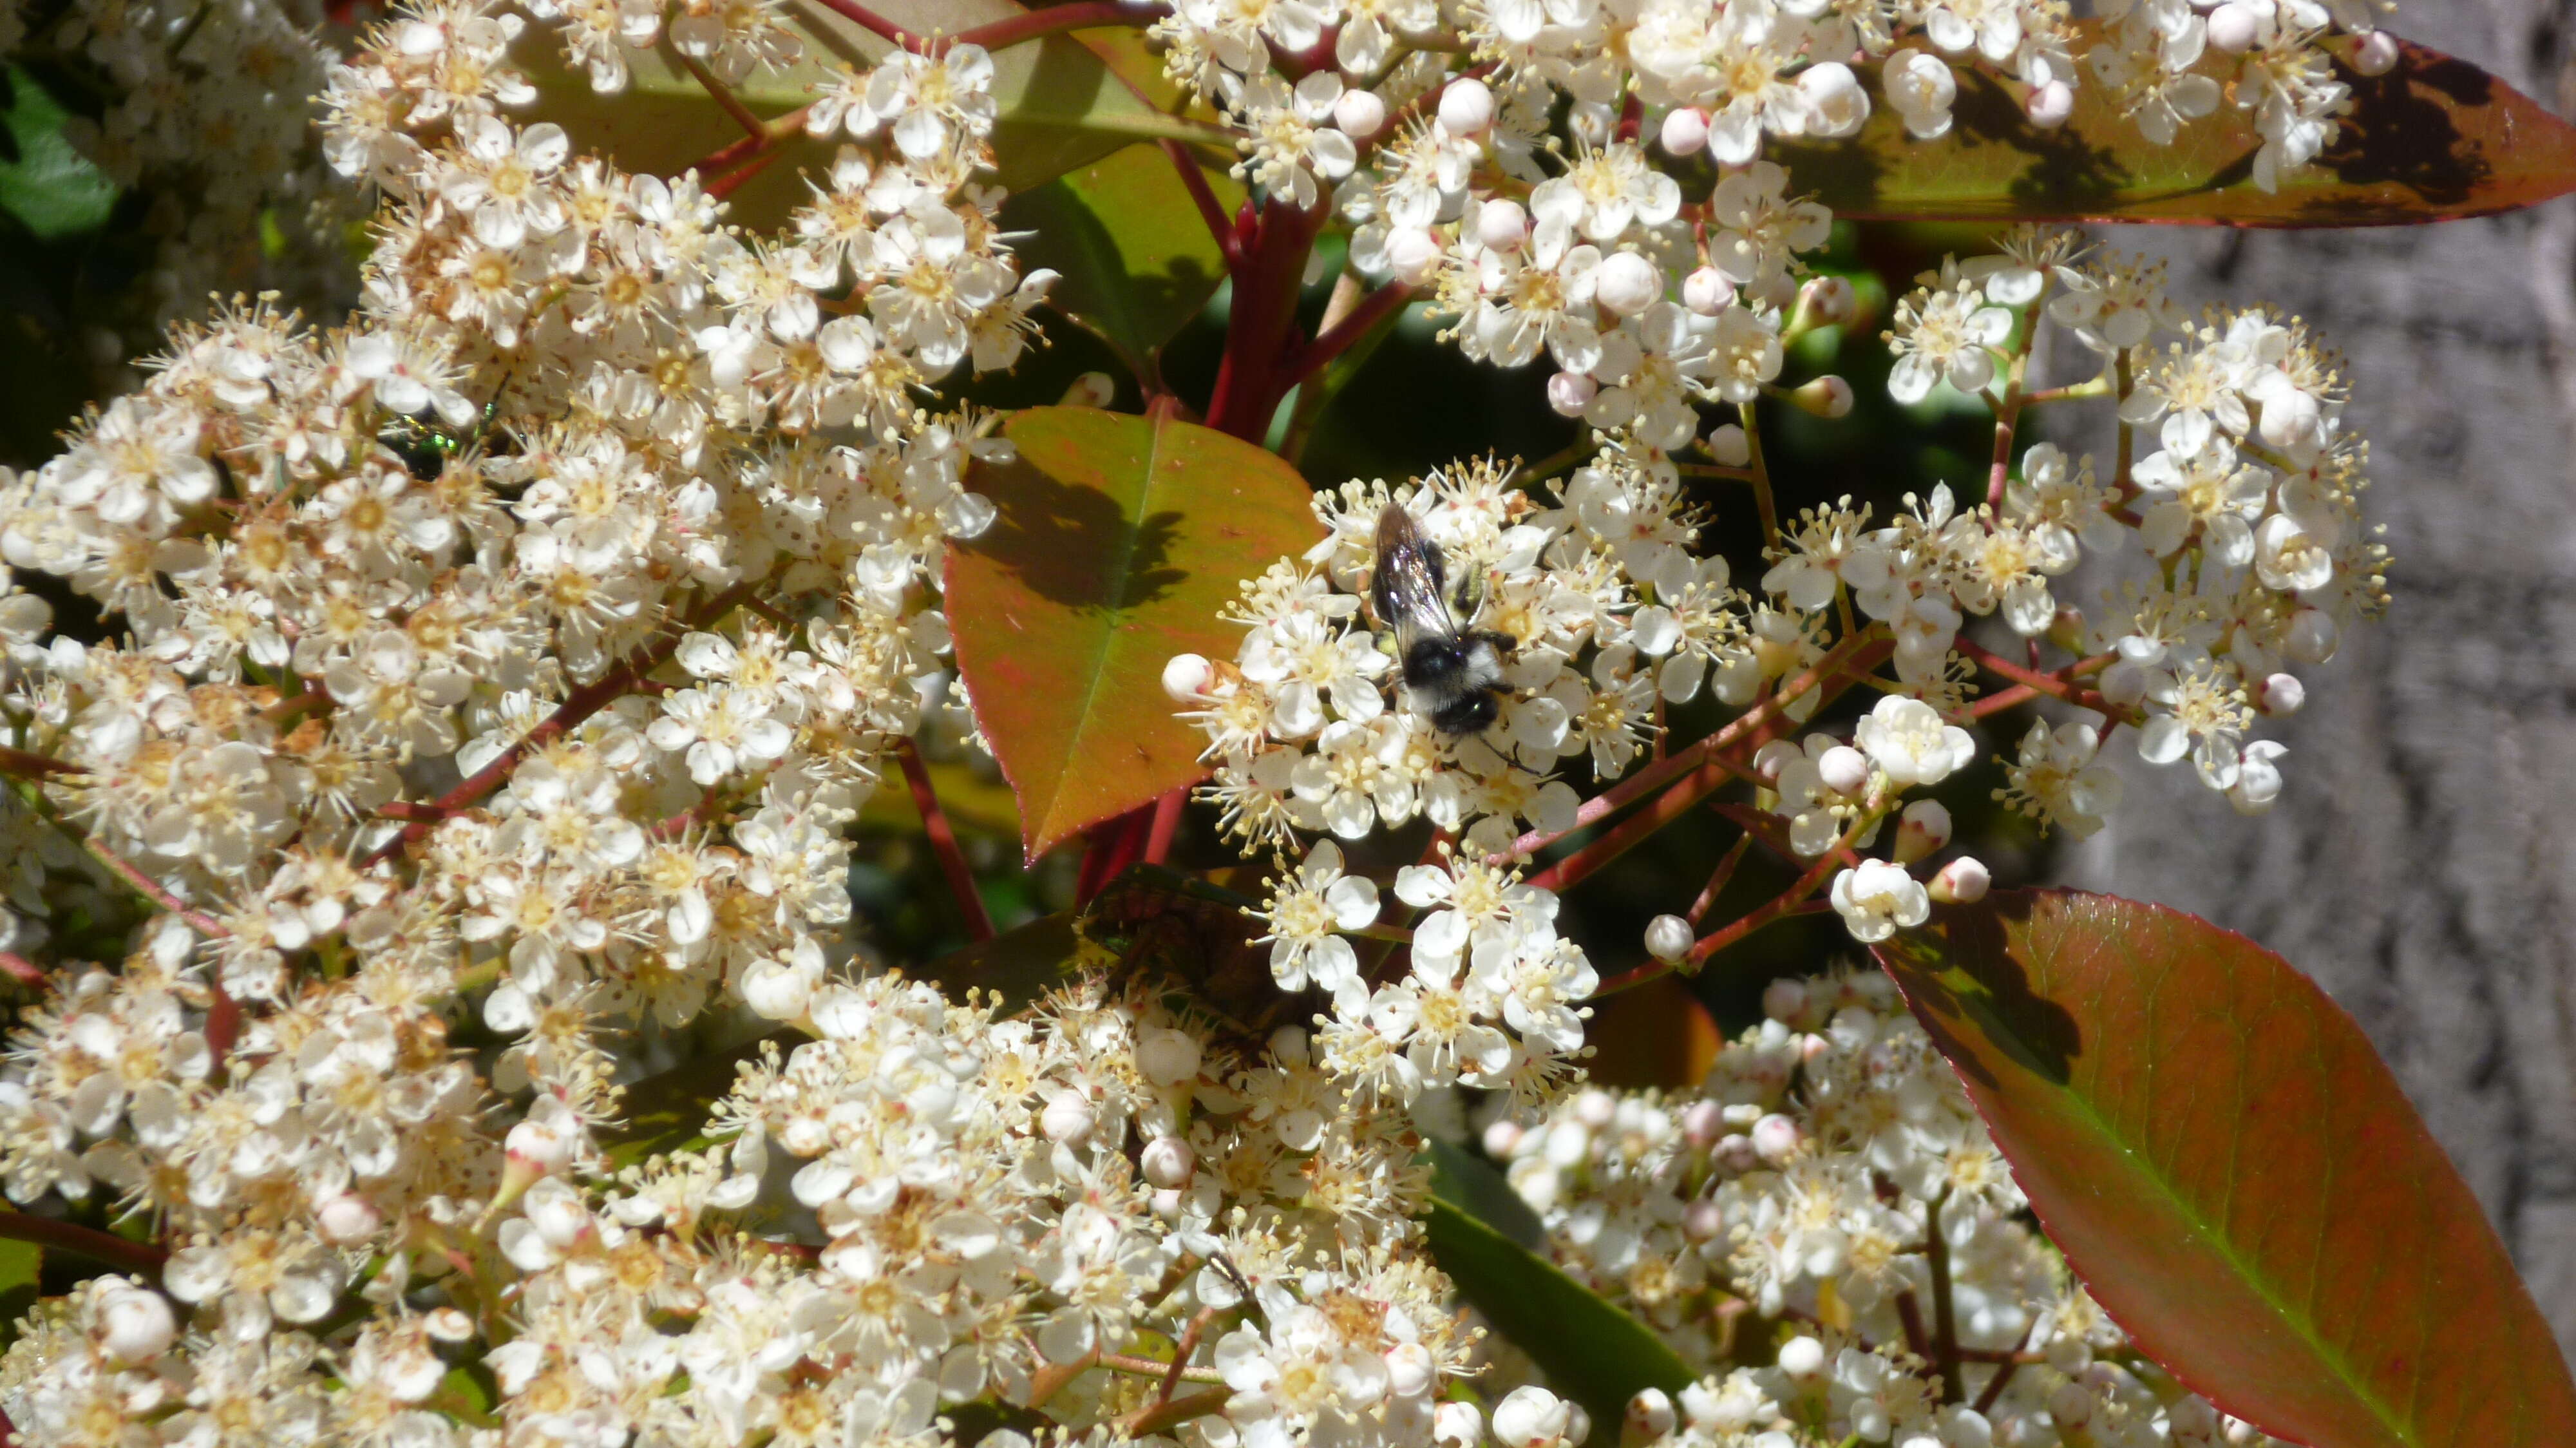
<point>1452,674</point>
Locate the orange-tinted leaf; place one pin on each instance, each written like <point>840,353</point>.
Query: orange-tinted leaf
<point>2433,139</point>
<point>1120,538</point>
<point>2235,1175</point>
<point>1655,1035</point>
<point>1136,258</point>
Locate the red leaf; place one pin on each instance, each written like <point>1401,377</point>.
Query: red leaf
<point>2235,1175</point>
<point>2434,139</point>
<point>1120,539</point>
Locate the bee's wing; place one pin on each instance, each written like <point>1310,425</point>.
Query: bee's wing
<point>1405,588</point>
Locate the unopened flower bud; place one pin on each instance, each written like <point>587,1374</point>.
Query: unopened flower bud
<point>1708,292</point>
<point>1596,1109</point>
<point>2071,1406</point>
<point>2377,54</point>
<point>447,1324</point>
<point>1502,225</point>
<point>1412,253</point>
<point>1685,131</point>
<point>1728,446</point>
<point>1068,1119</point>
<point>1776,1138</point>
<point>2313,638</point>
<point>1703,1220</point>
<point>1735,1155</point>
<point>135,1324</point>
<point>1165,1056</point>
<point>539,1145</point>
<point>1668,938</point>
<point>1802,1357</point>
<point>1774,757</point>
<point>1185,676</point>
<point>1531,1417</point>
<point>1825,302</point>
<point>1963,881</point>
<point>1502,1137</point>
<point>1703,1122</point>
<point>1843,769</point>
<point>2280,695</point>
<point>2050,105</point>
<point>1827,396</point>
<point>1466,107</point>
<point>1167,1161</point>
<point>2233,28</point>
<point>1784,1000</point>
<point>1165,1204</point>
<point>347,1219</point>
<point>1922,830</point>
<point>1091,389</point>
<point>1457,1425</point>
<point>1568,393</point>
<point>1361,113</point>
<point>1627,283</point>
<point>1650,1417</point>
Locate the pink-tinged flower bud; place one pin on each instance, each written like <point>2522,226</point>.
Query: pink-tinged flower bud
<point>447,1324</point>
<point>1827,396</point>
<point>1734,1155</point>
<point>1627,283</point>
<point>1785,1000</point>
<point>1776,1138</point>
<point>1704,1219</point>
<point>1826,302</point>
<point>1596,1109</point>
<point>1068,1119</point>
<point>1502,225</point>
<point>1091,389</point>
<point>1457,1425</point>
<point>1165,1056</point>
<point>2280,695</point>
<point>1502,1138</point>
<point>1728,447</point>
<point>1186,676</point>
<point>1650,1416</point>
<point>1963,881</point>
<point>1360,113</point>
<point>2377,55</point>
<point>538,1144</point>
<point>1802,1357</point>
<point>2233,28</point>
<point>2071,1405</point>
<point>1843,769</point>
<point>135,1324</point>
<point>1530,1417</point>
<point>1568,393</point>
<point>1166,1205</point>
<point>347,1219</point>
<point>1922,830</point>
<point>1466,107</point>
<point>1668,938</point>
<point>1774,757</point>
<point>1167,1161</point>
<point>1412,253</point>
<point>2051,105</point>
<point>1703,1122</point>
<point>1708,292</point>
<point>1685,131</point>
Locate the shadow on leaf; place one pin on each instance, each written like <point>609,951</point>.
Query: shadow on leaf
<point>1969,987</point>
<point>1074,545</point>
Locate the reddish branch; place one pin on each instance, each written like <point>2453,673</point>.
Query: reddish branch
<point>1211,210</point>
<point>578,706</point>
<point>1167,822</point>
<point>140,1258</point>
<point>1337,339</point>
<point>1719,877</point>
<point>943,843</point>
<point>20,764</point>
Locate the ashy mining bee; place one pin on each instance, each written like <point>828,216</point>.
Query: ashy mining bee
<point>1452,674</point>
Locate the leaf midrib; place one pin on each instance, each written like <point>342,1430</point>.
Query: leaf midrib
<point>1116,613</point>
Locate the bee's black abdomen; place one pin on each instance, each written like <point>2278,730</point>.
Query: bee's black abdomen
<point>1466,714</point>
<point>1432,660</point>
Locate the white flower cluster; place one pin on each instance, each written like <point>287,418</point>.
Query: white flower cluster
<point>203,108</point>
<point>1810,1181</point>
<point>1313,727</point>
<point>1491,997</point>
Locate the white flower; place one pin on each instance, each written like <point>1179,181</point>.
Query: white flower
<point>1876,899</point>
<point>1305,912</point>
<point>1911,744</point>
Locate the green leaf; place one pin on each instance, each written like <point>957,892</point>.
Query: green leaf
<point>1591,1351</point>
<point>1475,1186</point>
<point>1019,965</point>
<point>49,186</point>
<point>2435,138</point>
<point>20,1265</point>
<point>2235,1175</point>
<point>1065,100</point>
<point>1119,540</point>
<point>1136,256</point>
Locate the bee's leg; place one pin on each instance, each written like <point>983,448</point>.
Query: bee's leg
<point>1469,596</point>
<point>1503,643</point>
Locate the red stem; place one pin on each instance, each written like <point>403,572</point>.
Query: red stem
<point>754,128</point>
<point>21,969</point>
<point>1636,828</point>
<point>943,843</point>
<point>2059,685</point>
<point>23,765</point>
<point>579,705</point>
<point>1261,334</point>
<point>1167,822</point>
<point>139,1258</point>
<point>1314,356</point>
<point>1718,878</point>
<point>1855,656</point>
<point>152,889</point>
<point>727,184</point>
<point>1211,210</point>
